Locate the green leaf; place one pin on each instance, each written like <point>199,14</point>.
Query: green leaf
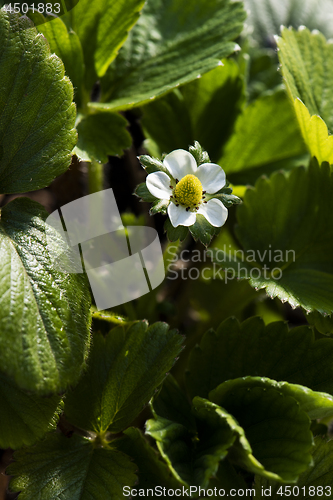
<point>66,45</point>
<point>214,298</point>
<point>324,324</point>
<point>285,226</point>
<point>71,469</point>
<point>266,132</point>
<point>124,371</point>
<point>315,404</point>
<point>316,482</point>
<point>151,471</point>
<point>44,345</point>
<point>193,112</point>
<point>268,417</point>
<point>239,349</point>
<point>194,457</point>
<point>304,58</point>
<point>175,233</point>
<point>102,27</point>
<point>231,264</point>
<point>194,441</point>
<point>24,417</point>
<point>143,192</point>
<point>174,443</point>
<point>172,404</point>
<point>172,43</point>
<point>229,479</point>
<point>218,431</point>
<point>267,16</point>
<point>276,427</point>
<point>37,123</point>
<point>167,124</point>
<point>315,133</point>
<point>321,474</point>
<point>203,231</point>
<point>100,135</point>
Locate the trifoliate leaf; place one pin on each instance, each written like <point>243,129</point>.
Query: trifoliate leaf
<point>71,469</point>
<point>37,114</point>
<point>195,440</point>
<point>124,370</point>
<point>277,429</point>
<point>44,314</point>
<point>171,44</point>
<point>194,456</point>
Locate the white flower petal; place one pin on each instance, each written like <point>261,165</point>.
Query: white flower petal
<point>211,176</point>
<point>180,163</point>
<point>179,216</point>
<point>158,184</point>
<point>214,211</point>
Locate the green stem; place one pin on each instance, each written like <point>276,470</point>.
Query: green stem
<point>96,177</point>
<point>146,305</point>
<point>108,316</point>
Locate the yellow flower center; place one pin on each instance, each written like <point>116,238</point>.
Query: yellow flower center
<point>188,191</point>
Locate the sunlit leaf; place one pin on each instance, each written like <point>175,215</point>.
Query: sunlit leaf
<point>44,314</point>
<point>37,114</point>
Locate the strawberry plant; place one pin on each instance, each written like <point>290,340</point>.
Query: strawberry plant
<point>166,242</point>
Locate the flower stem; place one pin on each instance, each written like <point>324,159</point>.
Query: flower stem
<point>95,176</point>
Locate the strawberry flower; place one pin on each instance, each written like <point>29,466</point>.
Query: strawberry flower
<point>189,189</point>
